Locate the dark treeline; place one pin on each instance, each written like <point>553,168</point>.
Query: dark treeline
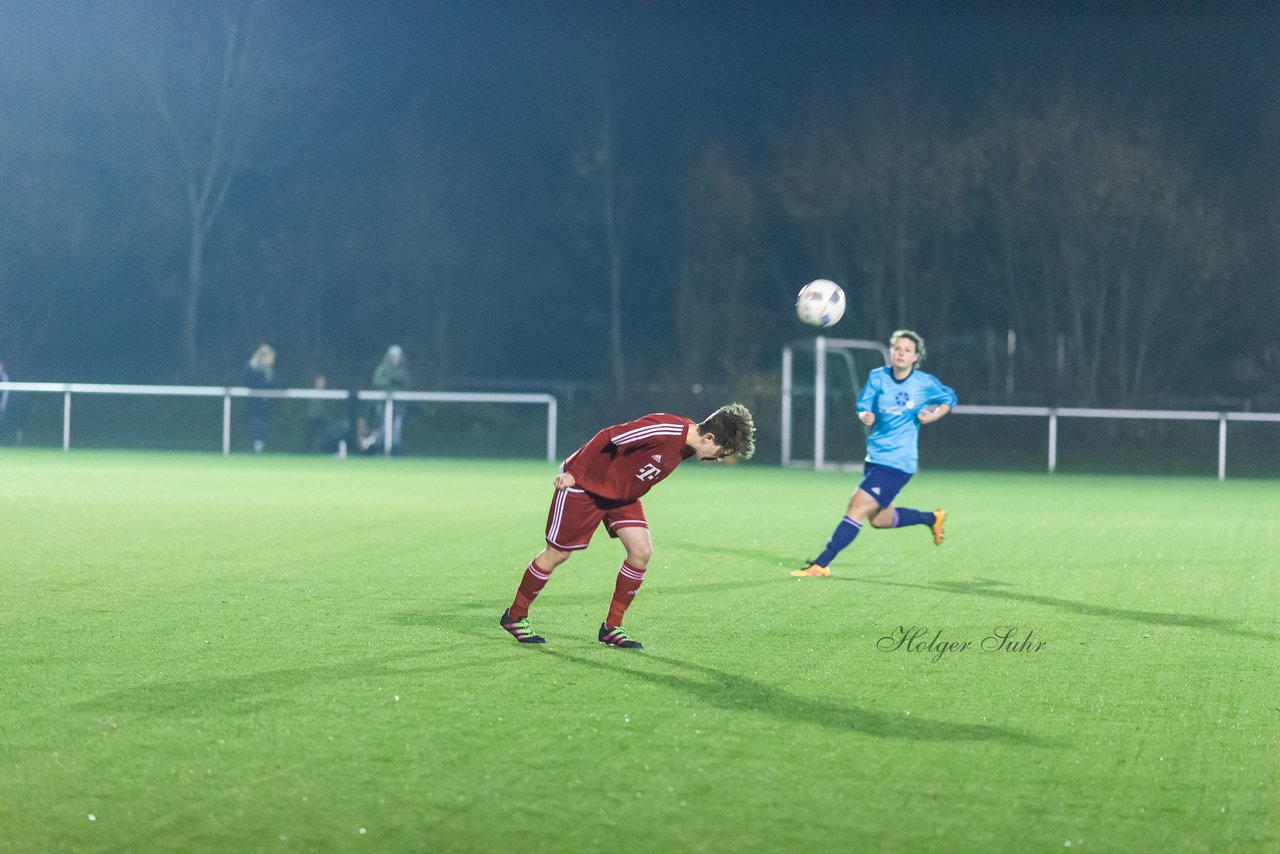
<point>533,194</point>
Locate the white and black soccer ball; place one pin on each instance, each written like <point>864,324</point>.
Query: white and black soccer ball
<point>820,303</point>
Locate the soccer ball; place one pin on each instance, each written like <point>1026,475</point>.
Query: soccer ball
<point>820,303</point>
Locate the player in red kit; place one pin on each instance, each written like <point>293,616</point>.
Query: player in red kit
<point>602,482</point>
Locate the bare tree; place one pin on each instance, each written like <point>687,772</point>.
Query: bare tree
<point>866,182</point>
<point>815,180</point>
<point>1104,243</point>
<point>49,244</point>
<point>439,252</point>
<point>34,214</point>
<point>223,92</point>
<point>600,224</point>
<point>721,268</point>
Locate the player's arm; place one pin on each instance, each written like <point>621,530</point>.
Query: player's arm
<point>941,399</point>
<point>564,480</point>
<point>866,404</point>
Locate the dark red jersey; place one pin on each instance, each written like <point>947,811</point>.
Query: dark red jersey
<point>623,462</point>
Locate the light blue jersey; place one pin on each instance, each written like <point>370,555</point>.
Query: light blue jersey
<point>895,404</point>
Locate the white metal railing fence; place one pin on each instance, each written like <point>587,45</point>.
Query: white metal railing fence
<point>822,347</point>
<point>1054,413</point>
<point>67,390</point>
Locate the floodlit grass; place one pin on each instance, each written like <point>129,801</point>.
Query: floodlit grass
<point>303,654</point>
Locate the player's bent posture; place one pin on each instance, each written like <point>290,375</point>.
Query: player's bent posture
<point>895,401</point>
<point>602,482</point>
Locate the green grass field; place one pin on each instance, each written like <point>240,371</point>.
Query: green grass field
<point>302,654</point>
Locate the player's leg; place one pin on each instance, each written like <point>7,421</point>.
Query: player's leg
<point>571,520</point>
<point>632,530</point>
<point>880,486</point>
<point>861,507</point>
<point>536,575</point>
<point>639,548</point>
<point>904,517</point>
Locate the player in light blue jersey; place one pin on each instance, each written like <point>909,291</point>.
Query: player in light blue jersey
<point>894,402</point>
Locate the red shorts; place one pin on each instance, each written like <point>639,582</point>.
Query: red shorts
<point>576,514</point>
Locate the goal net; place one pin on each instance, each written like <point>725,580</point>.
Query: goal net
<point>821,379</point>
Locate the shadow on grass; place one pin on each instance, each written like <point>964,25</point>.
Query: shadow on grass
<point>996,590</point>
<point>601,596</point>
<point>738,693</point>
<point>681,588</point>
<point>752,555</point>
<point>251,692</point>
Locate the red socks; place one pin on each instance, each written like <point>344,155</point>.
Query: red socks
<point>534,579</point>
<point>629,581</point>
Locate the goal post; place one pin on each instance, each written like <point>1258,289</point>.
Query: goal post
<point>820,351</point>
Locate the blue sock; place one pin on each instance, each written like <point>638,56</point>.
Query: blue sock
<point>841,537</point>
<point>904,516</point>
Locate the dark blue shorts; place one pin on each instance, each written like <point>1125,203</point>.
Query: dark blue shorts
<point>883,483</point>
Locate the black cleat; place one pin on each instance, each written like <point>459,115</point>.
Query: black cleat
<point>520,629</point>
<point>617,636</point>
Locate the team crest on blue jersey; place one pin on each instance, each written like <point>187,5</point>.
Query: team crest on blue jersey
<point>902,399</point>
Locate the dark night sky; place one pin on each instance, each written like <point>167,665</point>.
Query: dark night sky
<point>506,81</point>
<point>502,71</point>
<point>487,65</point>
<point>504,76</point>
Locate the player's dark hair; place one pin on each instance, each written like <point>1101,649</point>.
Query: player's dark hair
<point>734,429</point>
<point>913,337</point>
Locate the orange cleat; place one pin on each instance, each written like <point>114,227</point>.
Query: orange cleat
<point>813,570</point>
<point>939,516</point>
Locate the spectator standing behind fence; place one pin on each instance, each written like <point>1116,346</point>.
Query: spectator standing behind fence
<point>392,374</point>
<point>325,435</point>
<point>259,373</point>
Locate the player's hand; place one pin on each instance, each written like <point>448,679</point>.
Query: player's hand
<point>564,480</point>
<point>867,417</point>
<point>932,414</point>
